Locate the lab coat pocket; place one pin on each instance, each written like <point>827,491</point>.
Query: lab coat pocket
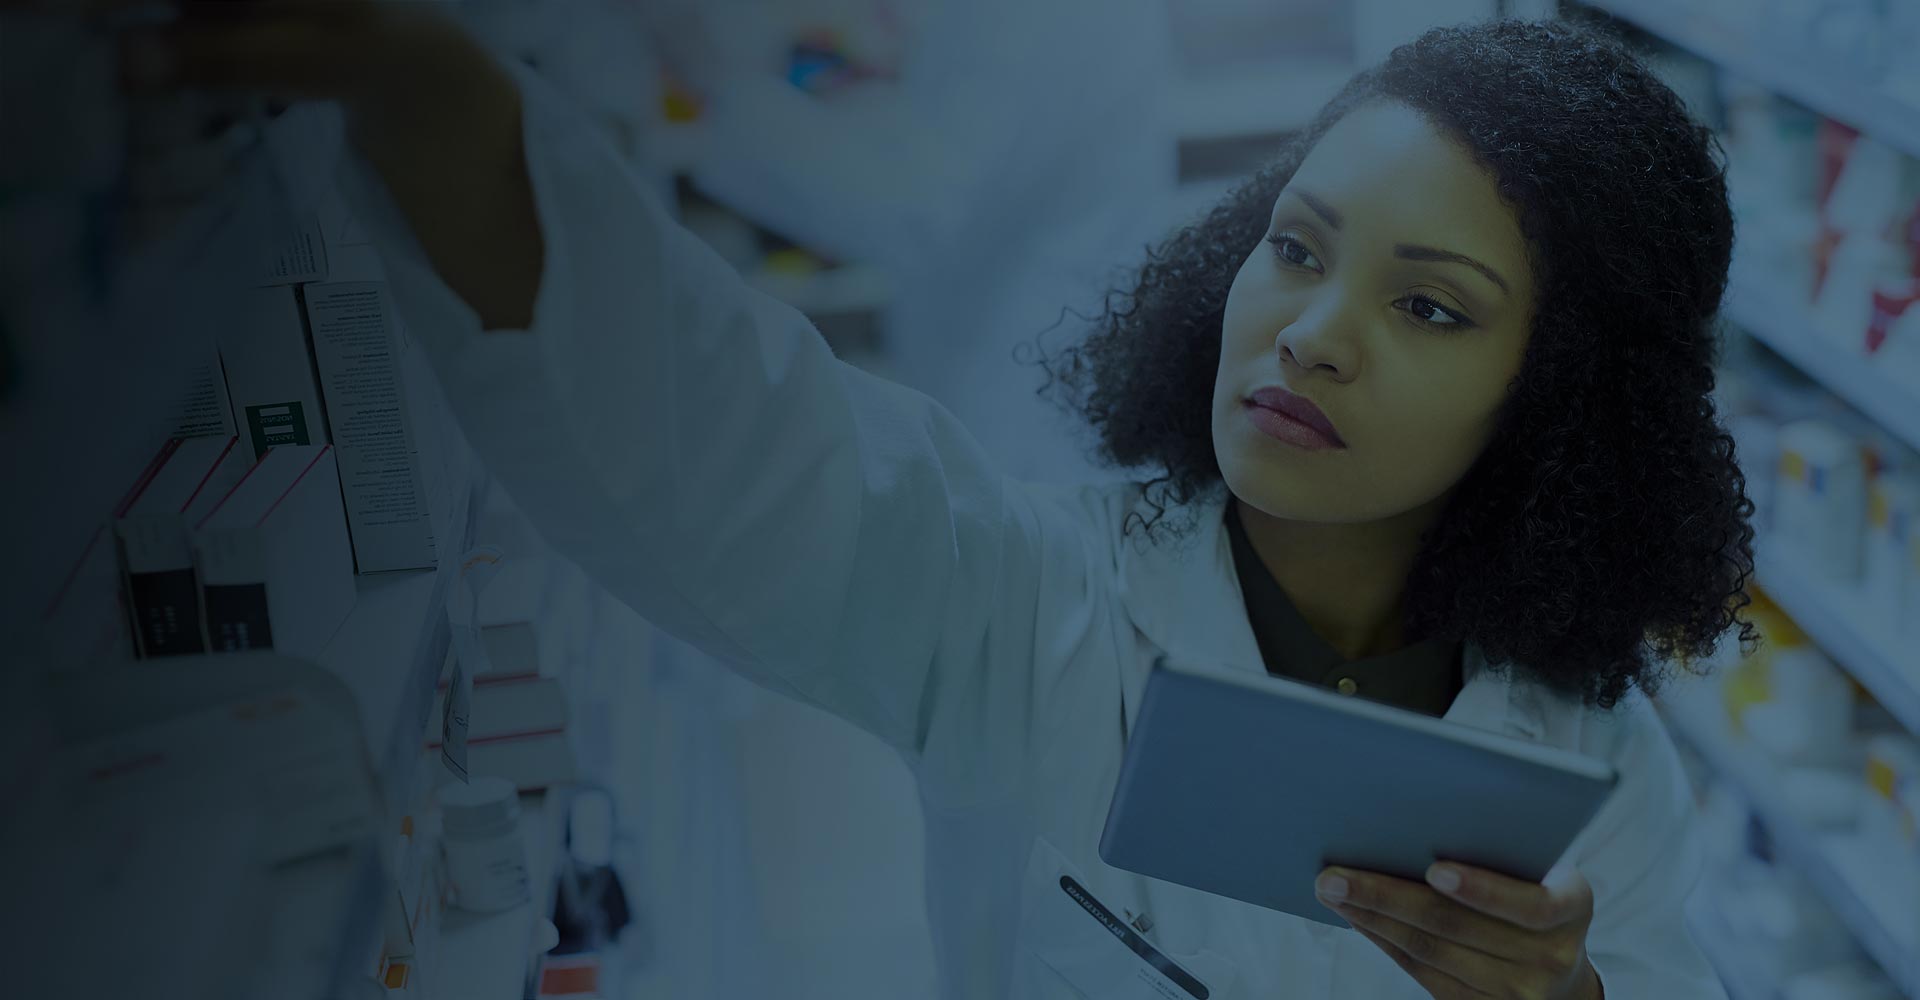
<point>1067,928</point>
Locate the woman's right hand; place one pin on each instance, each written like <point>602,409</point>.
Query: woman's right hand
<point>398,68</point>
<point>433,111</point>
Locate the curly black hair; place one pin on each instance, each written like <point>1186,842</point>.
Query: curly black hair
<point>1603,537</point>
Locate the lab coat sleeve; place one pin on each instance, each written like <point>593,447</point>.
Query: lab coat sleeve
<point>1643,857</point>
<point>698,450</point>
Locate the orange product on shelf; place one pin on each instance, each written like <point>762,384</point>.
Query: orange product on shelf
<point>576,977</point>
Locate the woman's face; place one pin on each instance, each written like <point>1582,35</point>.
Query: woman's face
<point>1392,294</point>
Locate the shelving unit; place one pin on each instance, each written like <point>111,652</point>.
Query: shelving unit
<point>1771,317</point>
<point>849,288</point>
<point>1750,50</point>
<point>1832,862</point>
<point>1223,126</point>
<point>394,687</point>
<point>1244,103</point>
<point>847,301</point>
<point>1831,617</point>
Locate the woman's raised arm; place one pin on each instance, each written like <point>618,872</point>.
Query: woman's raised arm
<point>695,446</point>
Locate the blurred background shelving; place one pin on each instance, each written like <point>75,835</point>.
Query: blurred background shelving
<point>1783,327</point>
<point>1837,865</point>
<point>1804,751</point>
<point>879,184</point>
<point>1845,61</point>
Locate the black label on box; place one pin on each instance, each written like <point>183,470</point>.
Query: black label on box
<point>237,617</point>
<point>166,612</point>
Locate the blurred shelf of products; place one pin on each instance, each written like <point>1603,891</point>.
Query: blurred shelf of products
<point>1850,60</point>
<point>1247,76</point>
<point>848,61</point>
<point>846,301</point>
<point>1804,751</point>
<point>1811,854</point>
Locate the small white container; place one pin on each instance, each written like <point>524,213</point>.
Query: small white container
<point>1808,716</point>
<point>486,854</point>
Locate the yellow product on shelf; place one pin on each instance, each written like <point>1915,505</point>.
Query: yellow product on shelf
<point>1750,681</point>
<point>1777,628</point>
<point>1789,699</point>
<point>1890,817</point>
<point>1747,683</point>
<point>678,102</point>
<point>793,260</point>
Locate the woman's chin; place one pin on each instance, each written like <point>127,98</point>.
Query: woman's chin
<point>1289,493</point>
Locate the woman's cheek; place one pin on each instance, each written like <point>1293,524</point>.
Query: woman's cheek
<point>1424,446</point>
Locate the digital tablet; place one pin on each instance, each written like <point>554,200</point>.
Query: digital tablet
<point>1249,785</point>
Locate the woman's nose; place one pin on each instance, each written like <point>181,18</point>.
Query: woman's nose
<point>1319,339</point>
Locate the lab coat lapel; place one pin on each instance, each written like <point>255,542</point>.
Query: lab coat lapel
<point>1184,597</point>
<point>1494,701</point>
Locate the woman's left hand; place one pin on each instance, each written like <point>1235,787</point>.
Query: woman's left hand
<point>1468,932</point>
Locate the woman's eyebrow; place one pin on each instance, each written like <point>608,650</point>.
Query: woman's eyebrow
<point>1321,208</point>
<point>1409,252</point>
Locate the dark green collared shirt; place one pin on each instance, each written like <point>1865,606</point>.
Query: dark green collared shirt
<point>1424,676</point>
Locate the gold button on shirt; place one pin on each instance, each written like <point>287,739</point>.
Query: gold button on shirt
<point>1424,676</point>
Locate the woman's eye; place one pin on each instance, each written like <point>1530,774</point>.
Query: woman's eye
<point>1293,251</point>
<point>1433,313</point>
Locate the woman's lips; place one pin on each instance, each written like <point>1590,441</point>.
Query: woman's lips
<point>1292,418</point>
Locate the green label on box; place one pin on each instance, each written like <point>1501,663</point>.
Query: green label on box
<point>277,423</point>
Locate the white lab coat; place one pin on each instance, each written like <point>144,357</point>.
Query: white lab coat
<point>698,450</point>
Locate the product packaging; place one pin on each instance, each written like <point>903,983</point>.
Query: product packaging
<point>485,851</point>
<point>1893,510</point>
<point>1820,500</point>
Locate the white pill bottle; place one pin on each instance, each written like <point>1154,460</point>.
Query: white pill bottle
<point>486,853</point>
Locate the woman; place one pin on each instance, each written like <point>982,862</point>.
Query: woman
<point>1428,397</point>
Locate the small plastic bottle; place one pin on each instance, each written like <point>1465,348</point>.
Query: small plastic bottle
<point>486,854</point>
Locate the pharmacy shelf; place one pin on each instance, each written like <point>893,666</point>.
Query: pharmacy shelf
<point>1776,319</point>
<point>835,291</point>
<point>389,653</point>
<point>391,648</point>
<point>1751,50</point>
<point>1251,103</point>
<point>487,956</point>
<point>1834,863</point>
<point>1831,616</point>
<point>1724,953</point>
